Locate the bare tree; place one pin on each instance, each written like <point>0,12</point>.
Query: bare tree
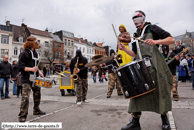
<point>50,52</point>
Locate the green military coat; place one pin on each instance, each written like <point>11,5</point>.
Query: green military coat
<point>159,100</point>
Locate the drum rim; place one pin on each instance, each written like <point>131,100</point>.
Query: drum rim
<point>135,61</point>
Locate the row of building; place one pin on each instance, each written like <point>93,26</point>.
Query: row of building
<point>59,46</point>
<point>56,47</point>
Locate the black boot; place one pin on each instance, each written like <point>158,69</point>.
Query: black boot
<point>165,123</point>
<point>133,125</point>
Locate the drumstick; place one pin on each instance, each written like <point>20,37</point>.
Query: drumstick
<point>39,60</point>
<point>135,38</point>
<point>115,32</point>
<point>61,74</point>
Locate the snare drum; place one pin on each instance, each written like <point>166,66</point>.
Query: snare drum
<point>43,82</point>
<point>135,79</point>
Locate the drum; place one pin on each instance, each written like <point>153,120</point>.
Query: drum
<point>43,82</point>
<point>135,79</point>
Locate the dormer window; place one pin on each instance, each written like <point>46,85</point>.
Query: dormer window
<point>79,41</point>
<point>21,39</point>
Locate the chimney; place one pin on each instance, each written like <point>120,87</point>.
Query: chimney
<point>7,23</point>
<point>46,29</point>
<point>86,40</point>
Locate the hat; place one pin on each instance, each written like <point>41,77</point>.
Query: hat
<point>123,27</point>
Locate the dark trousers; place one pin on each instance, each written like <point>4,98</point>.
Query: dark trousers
<point>19,90</point>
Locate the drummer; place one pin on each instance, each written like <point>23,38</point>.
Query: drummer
<point>124,40</point>
<point>27,66</point>
<point>159,100</point>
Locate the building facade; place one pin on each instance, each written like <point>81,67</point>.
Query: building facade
<point>68,39</point>
<point>6,36</point>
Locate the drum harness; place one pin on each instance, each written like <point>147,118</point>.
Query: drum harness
<point>33,76</point>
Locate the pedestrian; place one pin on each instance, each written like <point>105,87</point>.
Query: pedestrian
<point>44,71</point>
<point>48,70</point>
<point>112,76</point>
<point>100,73</point>
<point>82,72</point>
<point>188,57</point>
<point>5,72</point>
<point>124,40</point>
<point>159,100</point>
<point>54,69</point>
<point>19,84</point>
<point>183,70</point>
<point>105,69</point>
<point>26,65</point>
<point>15,72</point>
<point>178,47</point>
<point>94,71</point>
<point>191,66</point>
<point>67,67</point>
<point>172,66</point>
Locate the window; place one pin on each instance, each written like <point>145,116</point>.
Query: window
<point>72,53</point>
<point>68,42</point>
<point>59,55</point>
<point>65,52</point>
<point>46,44</point>
<point>15,51</point>
<point>38,41</point>
<point>83,50</point>
<point>90,51</point>
<point>4,39</point>
<point>21,50</point>
<point>65,41</point>
<point>71,43</point>
<point>4,52</point>
<point>21,39</point>
<point>59,45</point>
<point>87,50</point>
<point>56,54</point>
<point>80,48</point>
<point>56,45</point>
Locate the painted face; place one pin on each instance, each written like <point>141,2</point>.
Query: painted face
<point>138,19</point>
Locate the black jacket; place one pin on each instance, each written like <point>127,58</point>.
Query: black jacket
<point>15,70</point>
<point>173,64</point>
<point>113,62</point>
<point>5,70</point>
<point>81,65</point>
<point>25,60</point>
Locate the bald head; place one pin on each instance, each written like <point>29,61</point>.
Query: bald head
<point>5,58</point>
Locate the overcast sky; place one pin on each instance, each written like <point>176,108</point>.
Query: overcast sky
<point>93,19</point>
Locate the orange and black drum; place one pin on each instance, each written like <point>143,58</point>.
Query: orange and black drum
<point>135,79</point>
<point>43,82</point>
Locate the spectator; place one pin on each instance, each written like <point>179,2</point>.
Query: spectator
<point>67,66</point>
<point>44,71</point>
<point>100,73</point>
<point>15,72</point>
<point>94,71</point>
<point>191,66</point>
<point>5,72</point>
<point>188,57</point>
<point>178,47</point>
<point>19,84</point>
<point>183,68</point>
<point>54,69</point>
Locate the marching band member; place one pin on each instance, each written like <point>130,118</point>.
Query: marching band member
<point>82,72</point>
<point>112,77</point>
<point>124,40</point>
<point>159,100</point>
<point>26,65</point>
<point>172,66</point>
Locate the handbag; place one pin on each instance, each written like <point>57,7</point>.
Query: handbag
<point>103,76</point>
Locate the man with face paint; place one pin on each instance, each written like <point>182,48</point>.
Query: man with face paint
<point>159,100</point>
<point>82,72</point>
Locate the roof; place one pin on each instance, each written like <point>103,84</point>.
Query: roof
<point>6,28</point>
<point>79,40</point>
<point>181,37</point>
<point>39,32</point>
<point>99,44</point>
<point>55,37</point>
<point>18,31</point>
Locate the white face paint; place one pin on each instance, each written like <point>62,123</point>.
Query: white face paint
<point>138,19</point>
